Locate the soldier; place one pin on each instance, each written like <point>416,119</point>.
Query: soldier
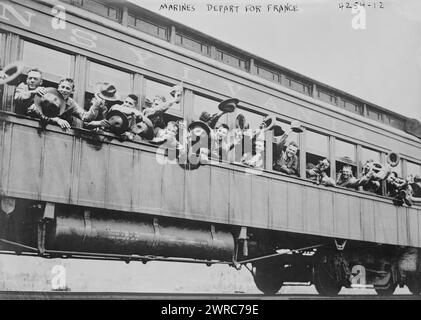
<point>318,173</point>
<point>287,161</point>
<point>130,101</point>
<point>155,110</point>
<point>66,107</point>
<point>345,178</point>
<point>255,158</point>
<point>220,144</point>
<point>25,92</point>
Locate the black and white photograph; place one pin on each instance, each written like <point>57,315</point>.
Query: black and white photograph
<point>210,150</point>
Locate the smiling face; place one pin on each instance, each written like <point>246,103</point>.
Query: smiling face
<point>221,133</point>
<point>171,129</point>
<point>129,102</point>
<point>65,88</point>
<point>260,146</point>
<point>324,165</point>
<point>34,80</point>
<point>346,172</point>
<point>157,100</point>
<point>291,150</point>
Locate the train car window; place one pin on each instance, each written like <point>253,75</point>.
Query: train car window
<point>192,44</point>
<point>413,169</point>
<point>202,104</point>
<point>98,74</point>
<point>148,27</point>
<point>327,96</point>
<point>368,155</point>
<point>98,7</point>
<point>154,88</point>
<point>278,149</point>
<point>297,84</point>
<point>317,149</point>
<point>345,154</point>
<point>232,60</point>
<point>58,64</point>
<point>267,74</point>
<point>252,120</point>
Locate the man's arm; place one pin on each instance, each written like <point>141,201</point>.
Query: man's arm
<point>214,119</point>
<point>22,92</point>
<point>80,113</point>
<point>163,107</point>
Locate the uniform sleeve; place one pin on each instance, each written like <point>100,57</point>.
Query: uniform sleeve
<point>78,112</point>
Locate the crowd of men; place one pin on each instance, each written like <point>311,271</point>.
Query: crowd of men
<point>204,139</point>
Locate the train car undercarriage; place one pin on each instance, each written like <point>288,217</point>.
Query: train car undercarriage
<point>274,258</point>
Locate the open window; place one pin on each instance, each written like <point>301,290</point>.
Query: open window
<point>317,149</point>
<point>279,145</point>
<point>413,171</point>
<point>98,73</point>
<point>370,155</point>
<point>155,88</point>
<point>203,104</point>
<point>250,120</point>
<point>58,65</point>
<point>345,155</point>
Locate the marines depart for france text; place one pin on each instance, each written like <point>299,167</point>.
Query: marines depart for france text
<point>202,141</point>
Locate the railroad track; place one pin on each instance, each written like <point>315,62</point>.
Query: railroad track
<point>60,295</point>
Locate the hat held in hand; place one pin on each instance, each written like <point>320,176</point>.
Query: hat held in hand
<point>107,91</point>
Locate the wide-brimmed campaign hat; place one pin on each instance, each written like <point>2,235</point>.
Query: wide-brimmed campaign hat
<point>228,105</point>
<point>277,130</point>
<point>50,103</point>
<point>268,122</point>
<point>125,125</point>
<point>200,124</point>
<point>108,91</point>
<point>11,72</point>
<point>176,88</point>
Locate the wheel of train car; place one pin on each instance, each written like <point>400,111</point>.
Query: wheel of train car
<point>268,277</point>
<point>325,280</point>
<point>414,285</point>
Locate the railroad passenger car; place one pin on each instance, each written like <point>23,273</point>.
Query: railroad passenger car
<point>64,194</point>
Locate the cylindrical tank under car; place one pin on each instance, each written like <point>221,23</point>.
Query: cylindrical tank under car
<point>113,232</point>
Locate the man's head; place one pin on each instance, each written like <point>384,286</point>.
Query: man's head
<point>66,87</point>
<point>347,172</point>
<point>34,79</point>
<point>323,164</point>
<point>260,145</point>
<point>130,101</point>
<point>172,128</point>
<point>292,149</point>
<point>157,100</point>
<point>222,131</point>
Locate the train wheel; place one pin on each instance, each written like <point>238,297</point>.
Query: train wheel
<point>414,285</point>
<point>268,277</point>
<point>325,279</point>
